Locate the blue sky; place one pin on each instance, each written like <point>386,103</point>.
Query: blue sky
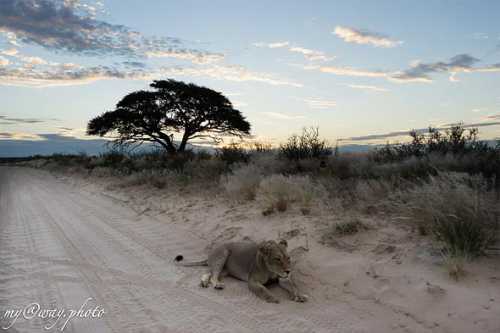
<point>363,71</point>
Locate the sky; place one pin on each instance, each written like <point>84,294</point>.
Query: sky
<point>364,72</point>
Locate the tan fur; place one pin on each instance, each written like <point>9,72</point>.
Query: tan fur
<point>258,264</point>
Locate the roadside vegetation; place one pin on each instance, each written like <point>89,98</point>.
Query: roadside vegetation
<point>444,185</point>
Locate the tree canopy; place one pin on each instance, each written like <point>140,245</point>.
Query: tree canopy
<point>172,107</point>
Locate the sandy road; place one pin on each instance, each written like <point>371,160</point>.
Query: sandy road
<point>60,246</point>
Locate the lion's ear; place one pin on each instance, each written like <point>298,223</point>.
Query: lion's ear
<point>283,243</point>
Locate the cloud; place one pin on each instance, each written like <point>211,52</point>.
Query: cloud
<point>9,52</point>
<point>367,87</point>
<point>61,75</point>
<point>3,61</point>
<point>493,116</point>
<point>309,54</point>
<point>418,71</point>
<point>352,35</point>
<point>197,57</point>
<point>68,25</point>
<point>129,64</point>
<point>57,25</point>
<point>272,45</point>
<point>420,131</point>
<point>281,116</point>
<point>479,35</point>
<point>19,136</point>
<point>229,73</point>
<point>490,68</point>
<point>28,61</point>
<point>347,71</point>
<point>21,120</point>
<point>315,103</point>
<point>32,61</point>
<point>71,74</point>
<point>239,104</point>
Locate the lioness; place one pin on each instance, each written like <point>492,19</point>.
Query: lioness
<point>259,264</point>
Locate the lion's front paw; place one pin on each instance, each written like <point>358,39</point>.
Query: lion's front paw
<point>205,281</point>
<point>300,298</point>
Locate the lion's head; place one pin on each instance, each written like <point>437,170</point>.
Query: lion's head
<point>275,257</point>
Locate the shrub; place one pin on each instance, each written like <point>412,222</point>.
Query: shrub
<point>111,159</point>
<point>455,266</point>
<point>178,161</point>
<point>349,227</point>
<point>279,191</point>
<point>307,145</point>
<point>102,172</point>
<point>243,182</point>
<point>411,168</point>
<point>69,160</point>
<point>233,153</point>
<point>459,211</point>
<point>202,155</point>
<point>260,147</point>
<point>270,163</point>
<point>455,141</point>
<point>207,170</point>
<point>157,178</point>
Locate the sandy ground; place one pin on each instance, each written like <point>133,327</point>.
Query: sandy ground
<point>66,239</point>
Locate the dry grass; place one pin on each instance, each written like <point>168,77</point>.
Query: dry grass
<point>455,266</point>
<point>278,192</point>
<point>458,210</point>
<point>349,227</point>
<point>243,182</point>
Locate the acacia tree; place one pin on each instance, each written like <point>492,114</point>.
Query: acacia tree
<point>173,107</point>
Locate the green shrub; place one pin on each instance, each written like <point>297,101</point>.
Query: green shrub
<point>233,153</point>
<point>459,147</point>
<point>306,145</point>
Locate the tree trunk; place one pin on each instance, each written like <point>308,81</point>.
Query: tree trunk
<point>185,138</point>
<point>171,149</point>
<point>168,148</point>
<point>167,143</point>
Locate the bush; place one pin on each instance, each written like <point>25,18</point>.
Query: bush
<point>270,163</point>
<point>279,191</point>
<point>233,153</point>
<point>102,172</point>
<point>307,145</point>
<point>207,170</point>
<point>349,227</point>
<point>243,182</point>
<point>157,178</point>
<point>463,145</point>
<point>459,211</point>
<point>260,147</point>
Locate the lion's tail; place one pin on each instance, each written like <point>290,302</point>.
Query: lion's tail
<point>178,260</point>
